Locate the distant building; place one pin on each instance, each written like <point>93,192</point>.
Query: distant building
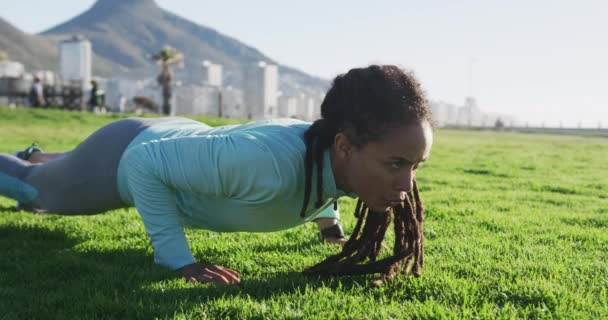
<point>11,69</point>
<point>317,101</point>
<point>451,114</point>
<point>46,76</point>
<point>75,56</point>
<point>148,89</point>
<point>12,81</point>
<point>306,107</point>
<point>288,106</point>
<point>198,100</point>
<point>444,113</point>
<point>469,114</point>
<point>447,114</point>
<point>212,74</point>
<point>232,103</point>
<point>118,90</point>
<point>302,106</point>
<point>261,86</point>
<point>439,111</point>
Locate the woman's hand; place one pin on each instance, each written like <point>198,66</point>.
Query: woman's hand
<point>336,240</point>
<point>330,231</point>
<point>198,272</point>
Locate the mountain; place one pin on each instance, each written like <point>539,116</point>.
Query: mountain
<point>40,53</point>
<point>126,32</point>
<point>34,52</point>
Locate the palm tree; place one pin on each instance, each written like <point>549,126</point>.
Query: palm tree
<point>167,57</point>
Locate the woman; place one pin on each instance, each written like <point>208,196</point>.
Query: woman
<point>374,132</point>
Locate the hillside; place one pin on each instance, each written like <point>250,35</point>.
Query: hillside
<point>126,32</point>
<point>41,53</point>
<point>35,52</point>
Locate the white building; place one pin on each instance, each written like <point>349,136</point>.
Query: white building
<point>302,106</point>
<point>451,114</point>
<point>288,106</point>
<point>475,114</point>
<point>212,74</point>
<point>444,113</point>
<point>119,93</point>
<point>318,98</point>
<point>197,100</point>
<point>46,76</point>
<point>11,69</point>
<point>306,107</point>
<point>75,56</point>
<point>469,114</point>
<point>232,103</point>
<point>261,86</point>
<point>209,101</point>
<point>147,88</point>
<point>439,112</point>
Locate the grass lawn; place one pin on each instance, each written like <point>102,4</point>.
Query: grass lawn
<point>516,227</point>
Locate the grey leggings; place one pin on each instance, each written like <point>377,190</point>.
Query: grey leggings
<point>82,181</point>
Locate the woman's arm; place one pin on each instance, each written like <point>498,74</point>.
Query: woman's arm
<point>331,224</point>
<point>199,165</point>
<point>155,201</point>
<point>329,220</point>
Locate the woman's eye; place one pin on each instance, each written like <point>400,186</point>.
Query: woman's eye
<point>396,165</point>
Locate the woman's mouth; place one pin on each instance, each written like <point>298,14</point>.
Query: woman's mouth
<point>394,203</point>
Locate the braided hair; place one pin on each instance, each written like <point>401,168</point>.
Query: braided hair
<point>364,104</point>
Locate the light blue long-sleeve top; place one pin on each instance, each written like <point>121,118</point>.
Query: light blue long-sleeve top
<point>232,178</point>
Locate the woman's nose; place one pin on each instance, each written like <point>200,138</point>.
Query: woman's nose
<point>405,184</point>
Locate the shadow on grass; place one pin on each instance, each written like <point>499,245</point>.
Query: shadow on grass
<point>7,208</point>
<point>293,246</point>
<point>47,274</point>
<point>484,172</point>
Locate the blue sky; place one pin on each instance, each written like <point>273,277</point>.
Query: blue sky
<point>542,61</point>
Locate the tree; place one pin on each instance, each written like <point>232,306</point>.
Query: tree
<point>167,57</point>
<point>499,124</point>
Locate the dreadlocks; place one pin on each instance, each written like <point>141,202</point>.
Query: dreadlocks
<point>365,104</point>
<point>366,243</point>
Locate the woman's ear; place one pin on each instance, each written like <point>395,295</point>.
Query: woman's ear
<point>342,145</point>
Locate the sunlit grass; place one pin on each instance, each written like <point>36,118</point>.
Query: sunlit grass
<point>517,227</point>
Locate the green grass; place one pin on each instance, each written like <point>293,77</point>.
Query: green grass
<point>516,227</point>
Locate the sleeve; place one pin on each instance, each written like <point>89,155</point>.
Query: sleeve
<point>155,202</point>
<point>329,212</point>
<point>217,166</point>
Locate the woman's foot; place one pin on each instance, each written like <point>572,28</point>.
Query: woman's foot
<point>28,208</point>
<point>27,153</point>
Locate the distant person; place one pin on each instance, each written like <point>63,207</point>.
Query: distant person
<point>374,132</point>
<point>36,95</point>
<point>96,99</point>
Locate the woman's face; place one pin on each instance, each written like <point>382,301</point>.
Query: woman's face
<point>381,172</point>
